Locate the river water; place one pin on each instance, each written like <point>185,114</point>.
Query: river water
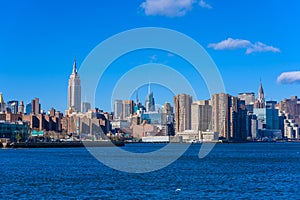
<point>231,171</point>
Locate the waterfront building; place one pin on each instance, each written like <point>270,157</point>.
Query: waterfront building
<point>197,136</point>
<point>201,115</point>
<point>221,114</point>
<point>268,116</point>
<point>144,130</point>
<point>182,104</point>
<point>14,131</point>
<point>229,117</point>
<point>291,129</point>
<point>268,120</point>
<point>74,90</point>
<point>290,107</point>
<point>118,109</point>
<point>90,125</point>
<point>260,101</point>
<point>289,111</point>
<point>252,125</point>
<point>12,106</point>
<point>161,120</point>
<point>150,103</point>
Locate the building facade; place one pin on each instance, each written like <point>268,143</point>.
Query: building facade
<point>85,106</point>
<point>249,98</point>
<point>12,106</point>
<point>229,116</point>
<point>118,109</point>
<point>127,109</point>
<point>182,115</point>
<point>201,115</point>
<point>35,106</point>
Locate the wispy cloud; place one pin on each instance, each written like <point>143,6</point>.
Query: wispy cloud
<point>203,4</point>
<point>170,8</point>
<point>231,44</point>
<point>289,77</point>
<point>153,58</point>
<point>261,47</point>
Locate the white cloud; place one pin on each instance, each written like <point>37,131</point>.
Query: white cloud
<point>250,47</point>
<point>203,4</point>
<point>230,44</point>
<point>170,8</point>
<point>289,77</point>
<point>261,47</point>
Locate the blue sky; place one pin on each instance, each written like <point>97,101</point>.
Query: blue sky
<point>248,41</point>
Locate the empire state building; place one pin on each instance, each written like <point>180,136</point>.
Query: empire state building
<point>74,90</point>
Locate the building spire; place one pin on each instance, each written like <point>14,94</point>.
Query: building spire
<point>149,90</point>
<point>260,91</point>
<point>74,66</point>
<point>260,102</point>
<point>137,96</point>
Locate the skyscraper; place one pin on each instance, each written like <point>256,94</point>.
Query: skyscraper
<point>249,98</point>
<point>229,117</point>
<point>2,104</point>
<point>268,116</point>
<point>150,103</point>
<point>201,116</point>
<point>13,106</point>
<point>28,109</point>
<point>74,90</point>
<point>36,106</point>
<point>260,102</point>
<point>127,108</point>
<point>182,104</point>
<point>21,107</point>
<point>118,109</point>
<point>85,106</point>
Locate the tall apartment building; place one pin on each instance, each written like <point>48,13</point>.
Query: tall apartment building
<point>118,109</point>
<point>182,104</point>
<point>229,117</point>
<point>127,110</point>
<point>35,106</point>
<point>201,115</point>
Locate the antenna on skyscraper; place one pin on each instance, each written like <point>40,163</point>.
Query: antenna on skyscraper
<point>149,88</point>
<point>137,95</point>
<point>74,65</point>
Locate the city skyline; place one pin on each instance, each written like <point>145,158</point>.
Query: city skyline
<point>259,96</point>
<point>245,48</point>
